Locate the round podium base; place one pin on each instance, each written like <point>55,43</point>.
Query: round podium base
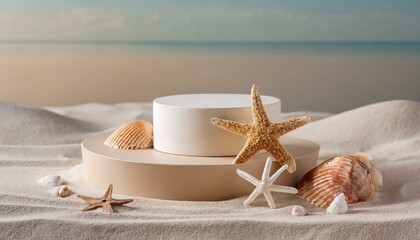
<point>153,174</point>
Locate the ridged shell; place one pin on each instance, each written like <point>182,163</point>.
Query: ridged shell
<point>133,135</point>
<point>354,175</point>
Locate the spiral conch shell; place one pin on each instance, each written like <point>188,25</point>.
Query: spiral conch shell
<point>133,135</point>
<point>354,175</point>
<point>64,191</point>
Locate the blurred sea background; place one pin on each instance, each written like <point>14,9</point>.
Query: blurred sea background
<point>315,55</point>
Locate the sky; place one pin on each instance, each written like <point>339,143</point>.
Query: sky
<point>216,20</point>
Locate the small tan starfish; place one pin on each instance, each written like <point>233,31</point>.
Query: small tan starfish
<point>105,202</point>
<point>261,134</point>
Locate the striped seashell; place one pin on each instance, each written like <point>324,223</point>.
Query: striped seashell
<point>133,135</point>
<point>354,175</point>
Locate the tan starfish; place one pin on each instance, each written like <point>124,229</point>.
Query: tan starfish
<point>261,134</point>
<point>105,202</point>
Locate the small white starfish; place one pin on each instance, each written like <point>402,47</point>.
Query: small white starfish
<point>265,185</point>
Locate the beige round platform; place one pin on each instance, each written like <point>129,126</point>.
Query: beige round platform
<point>153,174</point>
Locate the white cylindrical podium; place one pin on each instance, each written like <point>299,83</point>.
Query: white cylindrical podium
<point>182,123</point>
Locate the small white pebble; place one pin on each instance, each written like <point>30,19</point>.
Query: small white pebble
<point>338,205</point>
<point>299,211</point>
<point>50,180</point>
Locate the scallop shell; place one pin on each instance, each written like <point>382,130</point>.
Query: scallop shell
<point>354,175</point>
<point>133,135</point>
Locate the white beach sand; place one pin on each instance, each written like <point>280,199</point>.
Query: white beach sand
<point>35,142</point>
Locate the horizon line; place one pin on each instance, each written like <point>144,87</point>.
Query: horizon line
<point>139,41</point>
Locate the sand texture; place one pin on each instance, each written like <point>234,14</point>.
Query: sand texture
<point>35,142</point>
